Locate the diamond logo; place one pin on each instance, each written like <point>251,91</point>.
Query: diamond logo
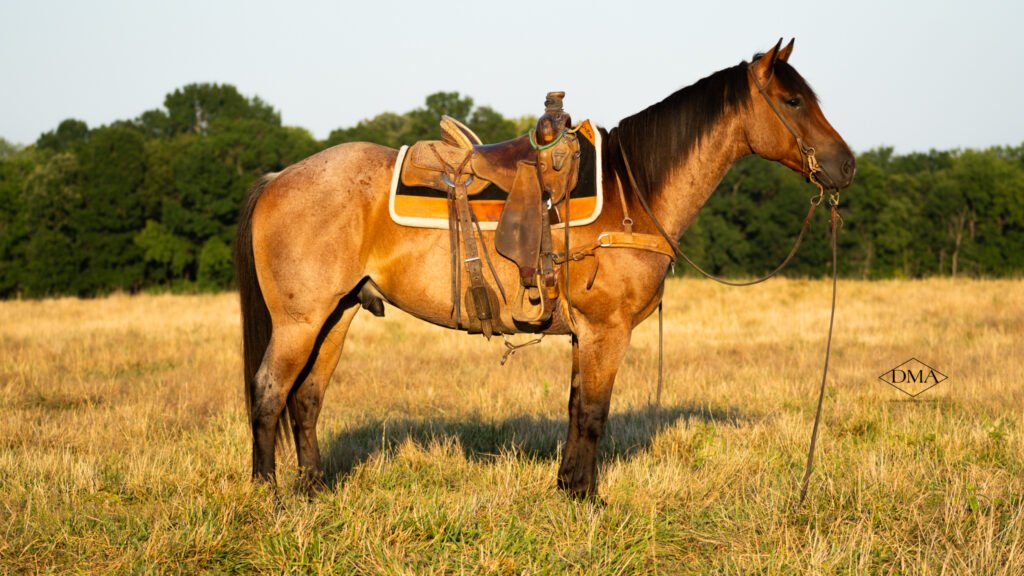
<point>913,377</point>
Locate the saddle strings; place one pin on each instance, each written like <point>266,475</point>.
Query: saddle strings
<point>453,245</point>
<point>511,349</point>
<point>487,257</point>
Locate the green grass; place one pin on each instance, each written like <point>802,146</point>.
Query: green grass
<point>124,448</point>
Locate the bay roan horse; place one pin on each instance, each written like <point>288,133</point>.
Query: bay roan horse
<point>316,241</point>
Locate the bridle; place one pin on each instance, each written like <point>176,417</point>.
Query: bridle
<point>810,162</point>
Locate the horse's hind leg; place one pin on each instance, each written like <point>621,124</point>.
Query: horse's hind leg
<point>286,357</point>
<point>305,401</point>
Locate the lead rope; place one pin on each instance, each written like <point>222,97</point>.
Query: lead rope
<point>661,351</point>
<point>833,221</point>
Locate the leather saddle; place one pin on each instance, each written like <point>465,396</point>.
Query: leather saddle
<point>428,161</point>
<point>537,171</point>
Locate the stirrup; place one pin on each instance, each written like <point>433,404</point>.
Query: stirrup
<point>537,314</point>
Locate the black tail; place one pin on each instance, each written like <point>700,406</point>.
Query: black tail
<point>256,326</point>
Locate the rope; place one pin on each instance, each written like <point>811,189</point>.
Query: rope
<point>511,349</point>
<point>661,353</point>
<point>533,141</point>
<point>833,202</point>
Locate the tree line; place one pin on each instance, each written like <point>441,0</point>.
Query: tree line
<point>152,202</point>
<point>937,213</point>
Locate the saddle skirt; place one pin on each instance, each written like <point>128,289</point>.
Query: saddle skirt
<point>419,198</point>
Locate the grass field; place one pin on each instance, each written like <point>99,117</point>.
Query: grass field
<point>124,447</point>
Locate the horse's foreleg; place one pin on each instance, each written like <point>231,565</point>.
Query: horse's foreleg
<point>286,356</point>
<point>305,401</point>
<point>573,437</point>
<point>596,357</point>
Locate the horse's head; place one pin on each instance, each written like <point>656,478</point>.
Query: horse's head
<point>787,124</point>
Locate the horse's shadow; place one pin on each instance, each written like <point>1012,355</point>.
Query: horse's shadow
<point>533,437</point>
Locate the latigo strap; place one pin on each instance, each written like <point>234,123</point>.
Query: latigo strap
<point>479,300</point>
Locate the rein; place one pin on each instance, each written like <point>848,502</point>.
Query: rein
<point>815,202</point>
<point>835,220</point>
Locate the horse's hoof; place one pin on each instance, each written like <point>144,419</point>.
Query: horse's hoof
<point>311,486</point>
<point>581,492</point>
<point>586,497</point>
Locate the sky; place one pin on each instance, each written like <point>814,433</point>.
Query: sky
<point>914,75</point>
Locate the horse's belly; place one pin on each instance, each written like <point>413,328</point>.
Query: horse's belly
<point>416,275</point>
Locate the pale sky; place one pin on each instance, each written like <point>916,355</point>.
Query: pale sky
<point>914,75</point>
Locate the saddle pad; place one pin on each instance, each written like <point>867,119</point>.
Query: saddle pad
<point>422,207</point>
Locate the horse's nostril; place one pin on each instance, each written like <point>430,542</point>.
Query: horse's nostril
<point>847,168</point>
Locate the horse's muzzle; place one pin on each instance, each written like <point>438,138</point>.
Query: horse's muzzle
<point>838,169</point>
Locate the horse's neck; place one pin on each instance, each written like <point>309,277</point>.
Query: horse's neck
<point>690,183</point>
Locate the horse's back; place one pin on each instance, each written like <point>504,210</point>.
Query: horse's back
<point>358,169</point>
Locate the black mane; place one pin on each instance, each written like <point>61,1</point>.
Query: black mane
<point>659,137</point>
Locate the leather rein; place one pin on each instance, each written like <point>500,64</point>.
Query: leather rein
<point>810,163</point>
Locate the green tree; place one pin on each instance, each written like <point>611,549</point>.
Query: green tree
<point>15,229</point>
<point>113,168</point>
<point>992,187</point>
<point>154,123</point>
<point>8,150</point>
<point>862,203</point>
<point>216,271</point>
<point>387,129</point>
<point>491,126</point>
<point>52,195</point>
<point>68,135</point>
<point>167,256</point>
<point>197,108</point>
<point>394,130</point>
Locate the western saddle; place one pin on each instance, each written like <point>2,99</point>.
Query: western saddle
<point>538,171</point>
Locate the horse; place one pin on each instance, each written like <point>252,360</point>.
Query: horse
<point>316,244</point>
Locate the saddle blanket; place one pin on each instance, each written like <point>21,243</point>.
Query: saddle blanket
<point>422,207</point>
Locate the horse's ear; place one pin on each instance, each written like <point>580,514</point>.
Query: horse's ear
<point>785,52</point>
<point>765,65</point>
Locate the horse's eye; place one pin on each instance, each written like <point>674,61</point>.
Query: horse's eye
<point>793,102</point>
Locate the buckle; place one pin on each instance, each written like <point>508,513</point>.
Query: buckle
<point>447,180</point>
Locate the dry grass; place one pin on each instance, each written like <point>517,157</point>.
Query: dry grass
<point>123,445</point>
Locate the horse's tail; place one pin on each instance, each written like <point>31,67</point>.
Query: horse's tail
<point>256,325</point>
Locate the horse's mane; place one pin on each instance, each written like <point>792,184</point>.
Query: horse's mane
<point>660,136</point>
